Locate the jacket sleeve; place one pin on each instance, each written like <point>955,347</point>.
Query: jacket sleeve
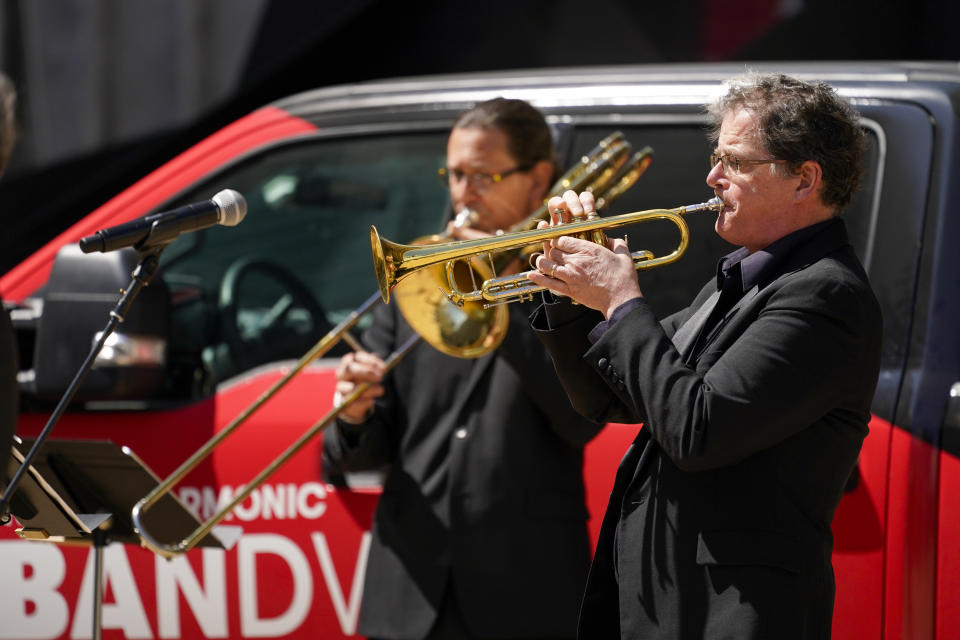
<point>566,343</point>
<point>370,445</point>
<point>807,348</point>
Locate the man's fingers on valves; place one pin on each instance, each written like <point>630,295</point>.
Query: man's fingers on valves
<point>547,267</point>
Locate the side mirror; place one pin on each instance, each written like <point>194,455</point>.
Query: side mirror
<point>76,302</point>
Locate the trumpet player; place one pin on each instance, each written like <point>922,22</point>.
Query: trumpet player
<point>480,531</point>
<point>754,400</point>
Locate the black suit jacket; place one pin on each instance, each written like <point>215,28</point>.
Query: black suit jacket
<point>484,492</point>
<point>719,521</point>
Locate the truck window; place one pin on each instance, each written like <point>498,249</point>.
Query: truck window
<point>269,288</point>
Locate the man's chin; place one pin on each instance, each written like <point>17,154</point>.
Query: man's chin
<point>720,226</point>
<point>723,228</point>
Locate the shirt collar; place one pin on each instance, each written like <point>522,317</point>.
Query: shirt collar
<point>754,266</point>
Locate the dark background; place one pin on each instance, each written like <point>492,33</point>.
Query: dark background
<point>295,46</point>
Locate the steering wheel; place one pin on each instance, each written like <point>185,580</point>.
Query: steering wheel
<point>274,334</point>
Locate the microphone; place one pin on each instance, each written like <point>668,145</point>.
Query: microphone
<point>227,207</point>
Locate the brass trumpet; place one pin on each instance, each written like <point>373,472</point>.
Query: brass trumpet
<point>393,262</point>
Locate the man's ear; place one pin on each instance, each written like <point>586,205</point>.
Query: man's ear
<point>542,174</point>
<point>811,179</point>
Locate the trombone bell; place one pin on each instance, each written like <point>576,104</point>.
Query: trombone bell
<point>385,256</point>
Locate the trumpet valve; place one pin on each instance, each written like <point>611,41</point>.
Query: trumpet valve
<point>454,297</point>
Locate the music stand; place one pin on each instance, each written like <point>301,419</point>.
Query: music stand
<point>82,492</point>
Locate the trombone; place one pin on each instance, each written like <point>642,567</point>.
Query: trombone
<point>608,170</point>
<point>394,262</point>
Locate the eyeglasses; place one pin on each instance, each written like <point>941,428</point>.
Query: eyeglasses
<point>732,162</point>
<point>478,180</point>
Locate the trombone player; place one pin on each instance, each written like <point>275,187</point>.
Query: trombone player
<point>754,399</point>
<point>480,531</point>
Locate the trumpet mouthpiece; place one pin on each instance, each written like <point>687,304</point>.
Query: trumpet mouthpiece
<point>713,204</point>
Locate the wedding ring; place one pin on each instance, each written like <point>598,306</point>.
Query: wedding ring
<point>553,271</point>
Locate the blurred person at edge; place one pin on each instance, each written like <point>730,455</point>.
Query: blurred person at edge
<point>9,394</point>
<point>480,531</point>
<point>754,400</point>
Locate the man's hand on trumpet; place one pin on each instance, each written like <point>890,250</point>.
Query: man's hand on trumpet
<point>595,276</point>
<point>356,368</point>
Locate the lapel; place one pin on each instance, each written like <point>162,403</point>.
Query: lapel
<point>631,464</point>
<point>718,327</point>
<point>684,337</point>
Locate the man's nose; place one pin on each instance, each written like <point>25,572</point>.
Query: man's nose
<point>714,176</point>
<point>464,192</point>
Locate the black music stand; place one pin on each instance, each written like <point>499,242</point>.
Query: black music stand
<point>83,491</point>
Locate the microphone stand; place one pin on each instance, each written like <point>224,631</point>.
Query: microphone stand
<point>141,275</point>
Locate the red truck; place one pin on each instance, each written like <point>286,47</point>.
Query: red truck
<point>317,169</point>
